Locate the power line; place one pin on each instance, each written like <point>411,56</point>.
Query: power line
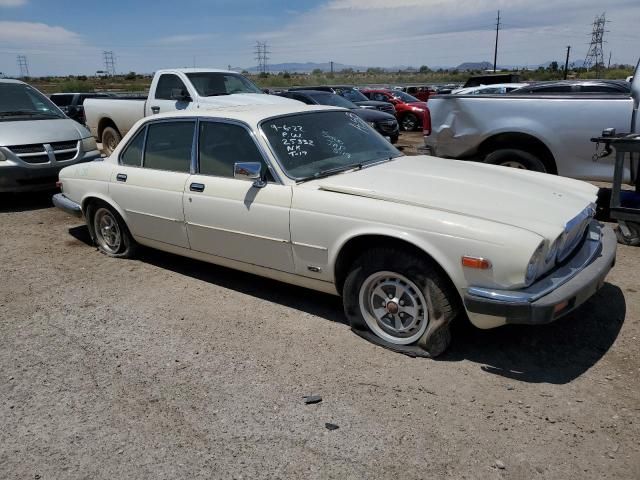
<point>595,54</point>
<point>109,63</point>
<point>495,51</point>
<point>23,66</point>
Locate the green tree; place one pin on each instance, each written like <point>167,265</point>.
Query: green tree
<point>424,69</point>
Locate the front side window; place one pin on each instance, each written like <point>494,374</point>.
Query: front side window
<point>332,100</point>
<point>166,84</point>
<point>352,95</point>
<point>222,145</point>
<point>169,146</point>
<point>380,97</point>
<point>318,144</point>
<point>132,154</point>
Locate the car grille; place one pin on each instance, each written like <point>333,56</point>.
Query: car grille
<point>38,153</point>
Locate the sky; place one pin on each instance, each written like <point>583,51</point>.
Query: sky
<point>61,37</point>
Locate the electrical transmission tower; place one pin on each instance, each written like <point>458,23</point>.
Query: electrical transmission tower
<point>595,55</point>
<point>23,66</point>
<point>262,56</point>
<point>109,63</point>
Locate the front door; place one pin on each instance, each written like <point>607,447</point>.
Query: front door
<point>229,217</point>
<point>149,182</point>
<point>164,99</point>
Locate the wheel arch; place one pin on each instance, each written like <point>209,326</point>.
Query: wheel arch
<point>519,141</point>
<point>352,248</point>
<point>96,197</point>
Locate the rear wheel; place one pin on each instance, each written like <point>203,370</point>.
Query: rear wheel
<point>401,298</point>
<point>110,140</point>
<point>109,231</point>
<point>514,158</point>
<point>409,122</point>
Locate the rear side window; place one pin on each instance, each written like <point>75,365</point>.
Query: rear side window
<point>62,100</point>
<point>166,83</point>
<point>132,154</point>
<point>224,144</point>
<point>169,146</point>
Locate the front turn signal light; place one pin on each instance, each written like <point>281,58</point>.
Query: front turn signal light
<point>476,262</point>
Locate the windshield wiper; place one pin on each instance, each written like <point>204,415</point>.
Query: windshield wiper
<point>331,171</point>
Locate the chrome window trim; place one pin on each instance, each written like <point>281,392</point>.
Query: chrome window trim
<point>592,246</point>
<point>252,134</point>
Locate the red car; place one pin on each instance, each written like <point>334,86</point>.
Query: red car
<point>410,111</point>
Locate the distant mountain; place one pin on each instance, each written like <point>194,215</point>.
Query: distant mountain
<point>305,67</point>
<point>474,66</point>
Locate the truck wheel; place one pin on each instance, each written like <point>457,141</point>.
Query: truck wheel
<point>401,298</point>
<point>511,157</point>
<point>110,140</point>
<point>409,122</point>
<point>108,230</point>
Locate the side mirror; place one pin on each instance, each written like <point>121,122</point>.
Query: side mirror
<point>251,171</point>
<point>180,94</point>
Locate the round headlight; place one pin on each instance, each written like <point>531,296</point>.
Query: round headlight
<point>534,265</point>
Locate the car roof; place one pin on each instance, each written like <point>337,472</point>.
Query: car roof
<point>194,70</point>
<point>249,114</point>
<point>11,80</point>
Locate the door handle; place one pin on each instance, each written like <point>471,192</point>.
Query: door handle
<point>155,109</point>
<point>121,177</point>
<point>196,187</point>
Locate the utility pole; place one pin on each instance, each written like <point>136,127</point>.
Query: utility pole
<point>495,51</point>
<point>566,62</point>
<point>609,64</point>
<point>331,67</point>
<point>23,66</point>
<point>261,52</point>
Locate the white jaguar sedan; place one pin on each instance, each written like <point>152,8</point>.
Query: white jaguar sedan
<point>313,196</point>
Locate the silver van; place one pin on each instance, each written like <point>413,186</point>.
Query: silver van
<point>37,139</point>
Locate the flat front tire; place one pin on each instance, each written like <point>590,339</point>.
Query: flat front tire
<point>401,298</point>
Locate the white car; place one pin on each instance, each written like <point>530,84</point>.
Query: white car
<point>313,196</point>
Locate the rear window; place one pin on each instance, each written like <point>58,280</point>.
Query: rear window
<point>62,100</point>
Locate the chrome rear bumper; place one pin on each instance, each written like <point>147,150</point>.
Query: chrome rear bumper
<point>69,206</point>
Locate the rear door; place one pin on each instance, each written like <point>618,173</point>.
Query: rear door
<point>149,181</point>
<point>163,98</point>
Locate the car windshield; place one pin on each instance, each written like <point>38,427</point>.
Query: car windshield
<point>333,100</point>
<point>19,101</point>
<point>318,144</point>
<point>210,84</point>
<point>405,97</point>
<point>353,95</point>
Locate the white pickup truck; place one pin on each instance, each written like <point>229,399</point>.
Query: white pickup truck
<point>547,133</point>
<point>109,119</point>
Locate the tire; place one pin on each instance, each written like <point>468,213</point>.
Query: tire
<point>109,232</point>
<point>394,139</point>
<point>424,301</point>
<point>514,158</point>
<point>110,140</point>
<point>409,122</point>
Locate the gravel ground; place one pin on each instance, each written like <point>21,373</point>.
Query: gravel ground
<point>163,367</point>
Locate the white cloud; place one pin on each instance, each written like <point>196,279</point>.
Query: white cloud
<point>29,34</point>
<point>185,39</point>
<point>12,3</point>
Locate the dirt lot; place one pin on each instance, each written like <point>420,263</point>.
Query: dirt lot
<point>163,367</point>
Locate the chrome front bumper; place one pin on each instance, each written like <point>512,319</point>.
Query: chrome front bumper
<point>69,206</point>
<point>558,293</point>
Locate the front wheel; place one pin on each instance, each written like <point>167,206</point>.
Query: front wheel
<point>409,122</point>
<point>402,299</point>
<point>514,158</point>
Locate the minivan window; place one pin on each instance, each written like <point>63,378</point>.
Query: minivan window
<point>169,146</point>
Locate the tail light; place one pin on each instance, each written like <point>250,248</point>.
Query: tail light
<point>426,123</point>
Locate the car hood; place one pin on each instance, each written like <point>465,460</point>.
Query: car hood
<point>41,131</point>
<point>533,201</point>
<point>369,115</point>
<point>372,103</point>
<point>247,99</point>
